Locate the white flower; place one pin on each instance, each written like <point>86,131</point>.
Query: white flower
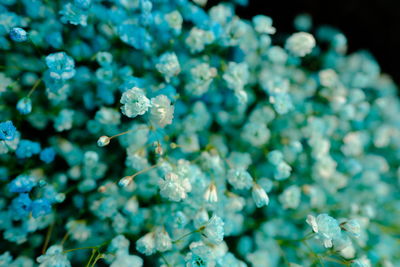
<point>174,187</point>
<point>162,112</point>
<point>300,44</point>
<point>259,195</point>
<point>134,102</point>
<point>211,193</point>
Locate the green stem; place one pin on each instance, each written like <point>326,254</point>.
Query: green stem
<point>187,234</point>
<point>34,87</point>
<point>74,249</point>
<point>98,257</point>
<point>91,257</point>
<point>48,236</point>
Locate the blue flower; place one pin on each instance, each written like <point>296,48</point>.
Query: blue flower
<point>40,207</point>
<point>21,206</point>
<point>135,36</point>
<point>74,14</point>
<point>18,35</point>
<point>47,155</point>
<point>7,131</point>
<point>22,184</point>
<point>24,105</point>
<point>61,66</point>
<point>27,149</point>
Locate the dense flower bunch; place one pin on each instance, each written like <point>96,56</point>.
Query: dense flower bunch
<point>159,133</point>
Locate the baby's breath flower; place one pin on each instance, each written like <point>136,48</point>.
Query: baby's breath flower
<point>211,193</point>
<point>300,44</point>
<point>54,257</point>
<point>351,226</point>
<point>168,65</point>
<point>134,102</point>
<point>326,228</point>
<point>147,244</point>
<point>7,130</point>
<point>24,105</point>
<point>263,24</point>
<point>259,195</point>
<point>198,39</point>
<point>239,107</point>
<point>103,141</point>
<point>18,34</point>
<point>174,20</point>
<point>174,187</point>
<point>240,179</point>
<point>61,66</point>
<point>214,230</point>
<point>162,111</point>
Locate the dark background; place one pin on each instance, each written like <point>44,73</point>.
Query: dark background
<point>373,25</point>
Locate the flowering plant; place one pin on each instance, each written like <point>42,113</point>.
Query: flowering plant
<point>161,133</point>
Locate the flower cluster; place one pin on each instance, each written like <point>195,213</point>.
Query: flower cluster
<point>160,133</point>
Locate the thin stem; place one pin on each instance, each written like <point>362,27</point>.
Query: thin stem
<point>74,249</point>
<point>48,236</point>
<point>188,234</point>
<point>145,170</point>
<point>128,179</point>
<point>64,238</point>
<point>91,257</point>
<point>129,131</point>
<point>307,236</point>
<point>34,87</point>
<point>98,257</point>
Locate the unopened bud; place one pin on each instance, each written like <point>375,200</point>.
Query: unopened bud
<point>103,141</point>
<point>124,182</point>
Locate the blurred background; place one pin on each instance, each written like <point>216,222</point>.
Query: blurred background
<point>373,25</point>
